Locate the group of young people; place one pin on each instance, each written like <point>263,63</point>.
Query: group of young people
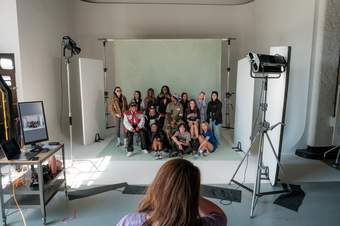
<point>167,123</point>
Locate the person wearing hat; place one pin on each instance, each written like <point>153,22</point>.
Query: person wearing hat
<point>134,124</point>
<point>174,110</point>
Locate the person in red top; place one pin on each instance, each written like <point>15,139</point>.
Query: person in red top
<point>134,124</point>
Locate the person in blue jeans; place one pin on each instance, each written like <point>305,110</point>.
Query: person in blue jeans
<point>173,199</point>
<point>214,115</point>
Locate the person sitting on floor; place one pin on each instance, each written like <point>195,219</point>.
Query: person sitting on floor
<point>170,130</point>
<point>208,142</point>
<point>134,124</point>
<point>157,140</point>
<point>181,141</point>
<point>152,117</point>
<point>174,110</point>
<point>173,199</point>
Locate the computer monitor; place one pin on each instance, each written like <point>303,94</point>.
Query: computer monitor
<point>33,122</point>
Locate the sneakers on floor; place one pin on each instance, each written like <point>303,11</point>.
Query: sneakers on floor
<point>118,143</point>
<point>145,151</point>
<point>158,156</point>
<point>129,154</point>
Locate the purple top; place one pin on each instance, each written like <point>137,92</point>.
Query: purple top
<point>138,219</point>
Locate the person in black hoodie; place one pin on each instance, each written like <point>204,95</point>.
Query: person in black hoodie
<point>163,99</point>
<point>184,102</point>
<point>152,117</point>
<point>214,115</point>
<point>157,140</point>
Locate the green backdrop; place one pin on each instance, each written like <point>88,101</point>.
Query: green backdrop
<point>189,65</point>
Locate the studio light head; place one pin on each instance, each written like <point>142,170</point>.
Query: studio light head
<point>71,45</point>
<point>267,64</point>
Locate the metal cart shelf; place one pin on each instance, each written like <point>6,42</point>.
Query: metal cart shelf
<point>28,197</point>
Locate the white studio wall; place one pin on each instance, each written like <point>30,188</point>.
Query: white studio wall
<point>91,78</point>
<point>190,65</point>
<point>244,105</point>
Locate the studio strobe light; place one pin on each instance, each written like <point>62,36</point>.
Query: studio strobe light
<point>267,64</point>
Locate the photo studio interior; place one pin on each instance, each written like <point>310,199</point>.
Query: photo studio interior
<point>97,95</point>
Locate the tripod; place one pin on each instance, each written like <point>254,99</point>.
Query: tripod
<point>262,171</point>
<point>67,63</point>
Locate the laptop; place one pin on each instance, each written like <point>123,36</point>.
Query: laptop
<point>12,151</point>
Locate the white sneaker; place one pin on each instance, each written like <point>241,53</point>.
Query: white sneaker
<point>118,142</point>
<point>145,151</point>
<point>129,154</point>
<point>125,142</point>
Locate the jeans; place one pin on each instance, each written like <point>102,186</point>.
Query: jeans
<point>119,128</point>
<point>141,134</point>
<point>216,129</point>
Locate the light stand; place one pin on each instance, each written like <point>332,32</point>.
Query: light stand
<point>67,63</point>
<point>262,171</point>
<point>335,113</point>
<point>229,94</point>
<point>69,44</point>
<point>106,93</point>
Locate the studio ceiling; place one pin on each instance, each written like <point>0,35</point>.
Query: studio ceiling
<point>172,2</point>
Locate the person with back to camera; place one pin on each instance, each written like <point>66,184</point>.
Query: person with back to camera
<point>173,199</point>
<point>134,124</point>
<point>118,106</point>
<point>214,115</point>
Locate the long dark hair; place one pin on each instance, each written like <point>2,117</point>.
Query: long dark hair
<point>167,88</point>
<point>184,94</point>
<point>152,92</point>
<point>114,91</point>
<point>173,197</point>
<point>139,98</point>
<point>189,108</point>
<point>214,92</point>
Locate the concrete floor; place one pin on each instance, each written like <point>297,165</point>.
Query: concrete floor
<point>320,182</point>
<point>320,207</point>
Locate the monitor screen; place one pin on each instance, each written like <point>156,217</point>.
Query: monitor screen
<point>33,122</point>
